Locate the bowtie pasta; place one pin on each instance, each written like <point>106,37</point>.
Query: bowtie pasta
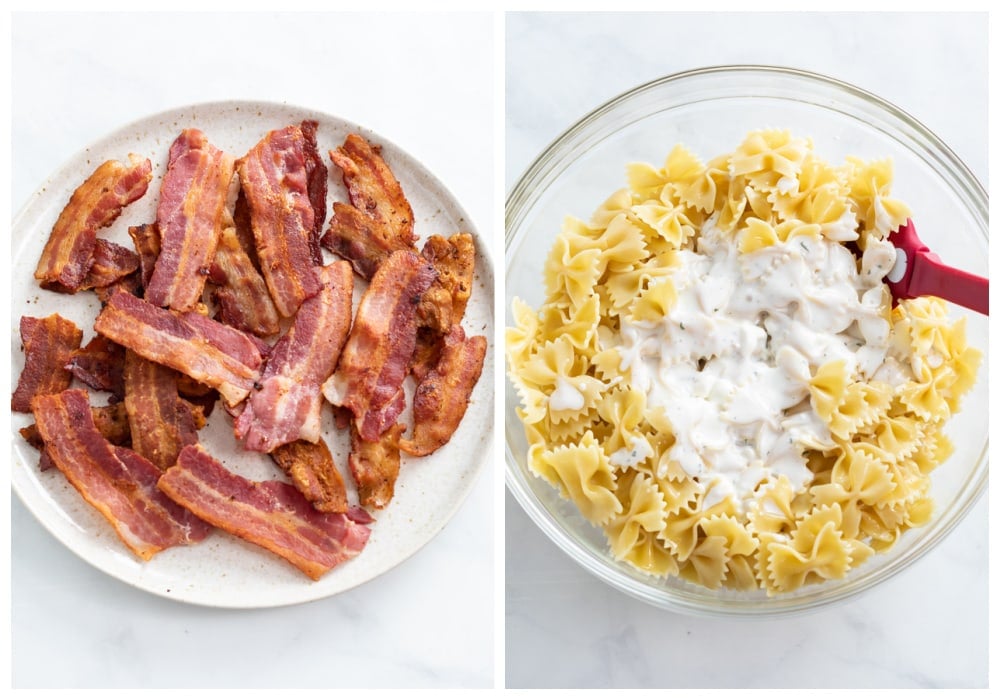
<point>718,379</point>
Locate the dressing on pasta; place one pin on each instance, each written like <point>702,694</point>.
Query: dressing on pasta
<point>717,377</point>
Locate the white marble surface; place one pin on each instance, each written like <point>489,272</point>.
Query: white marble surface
<point>425,82</point>
<point>927,627</point>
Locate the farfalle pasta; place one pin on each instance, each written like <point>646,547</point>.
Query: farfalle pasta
<point>718,378</point>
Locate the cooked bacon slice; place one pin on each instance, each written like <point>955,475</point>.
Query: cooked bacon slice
<point>244,229</point>
<point>160,421</point>
<point>130,284</point>
<point>99,364</point>
<point>111,262</point>
<point>316,179</point>
<point>363,240</point>
<point>444,303</point>
<point>206,350</point>
<point>454,259</point>
<point>111,421</point>
<point>271,514</point>
<point>373,188</point>
<point>276,184</point>
<point>241,295</point>
<point>442,397</point>
<point>119,483</point>
<point>193,197</point>
<point>48,346</point>
<point>427,353</point>
<point>95,204</point>
<point>375,466</point>
<point>375,360</point>
<point>146,239</point>
<point>314,474</point>
<point>285,403</point>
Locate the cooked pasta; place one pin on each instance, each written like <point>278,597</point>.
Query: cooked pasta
<point>718,378</point>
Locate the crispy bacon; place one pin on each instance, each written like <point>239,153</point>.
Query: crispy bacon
<point>241,295</point>
<point>285,404</point>
<point>95,204</point>
<point>111,262</point>
<point>99,364</point>
<point>189,218</point>
<point>206,350</point>
<point>373,188</point>
<point>442,397</point>
<point>119,483</point>
<point>375,466</point>
<point>160,421</point>
<point>271,514</point>
<point>316,179</point>
<point>48,346</point>
<point>130,284</point>
<point>363,240</point>
<point>111,421</point>
<point>146,239</point>
<point>444,303</point>
<point>244,229</point>
<point>313,472</point>
<point>275,181</point>
<point>454,259</point>
<point>375,360</point>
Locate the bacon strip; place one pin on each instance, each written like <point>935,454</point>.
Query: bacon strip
<point>160,421</point>
<point>444,303</point>
<point>189,218</point>
<point>375,360</point>
<point>207,351</point>
<point>49,344</point>
<point>375,466</point>
<point>111,262</point>
<point>363,240</point>
<point>442,397</point>
<point>95,204</point>
<point>100,365</point>
<point>373,188</point>
<point>316,179</point>
<point>242,296</point>
<point>454,259</point>
<point>119,483</point>
<point>275,181</point>
<point>146,239</point>
<point>314,474</point>
<point>111,421</point>
<point>285,404</point>
<point>130,284</point>
<point>271,514</point>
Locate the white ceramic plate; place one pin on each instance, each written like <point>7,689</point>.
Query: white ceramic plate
<point>224,571</point>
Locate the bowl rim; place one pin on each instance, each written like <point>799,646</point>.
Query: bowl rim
<point>517,200</point>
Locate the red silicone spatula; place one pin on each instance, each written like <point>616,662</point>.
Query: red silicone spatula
<point>919,272</point>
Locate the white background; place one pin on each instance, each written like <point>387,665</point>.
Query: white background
<point>423,81</point>
<point>925,627</point>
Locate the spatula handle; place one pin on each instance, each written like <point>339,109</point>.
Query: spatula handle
<point>932,277</point>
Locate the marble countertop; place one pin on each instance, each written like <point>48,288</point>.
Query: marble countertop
<point>430,621</point>
<point>927,627</point>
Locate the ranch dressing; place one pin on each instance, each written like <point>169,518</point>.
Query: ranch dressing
<point>731,361</point>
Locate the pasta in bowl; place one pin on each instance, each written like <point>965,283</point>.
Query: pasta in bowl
<point>717,383</point>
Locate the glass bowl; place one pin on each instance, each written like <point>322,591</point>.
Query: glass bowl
<point>710,111</point>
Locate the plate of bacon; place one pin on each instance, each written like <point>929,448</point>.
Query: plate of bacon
<point>253,355</point>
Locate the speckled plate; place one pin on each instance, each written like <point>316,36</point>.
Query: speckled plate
<point>224,571</point>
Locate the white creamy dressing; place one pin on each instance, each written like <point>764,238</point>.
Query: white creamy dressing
<point>566,397</point>
<point>731,362</point>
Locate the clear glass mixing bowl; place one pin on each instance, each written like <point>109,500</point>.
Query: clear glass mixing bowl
<point>710,111</point>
